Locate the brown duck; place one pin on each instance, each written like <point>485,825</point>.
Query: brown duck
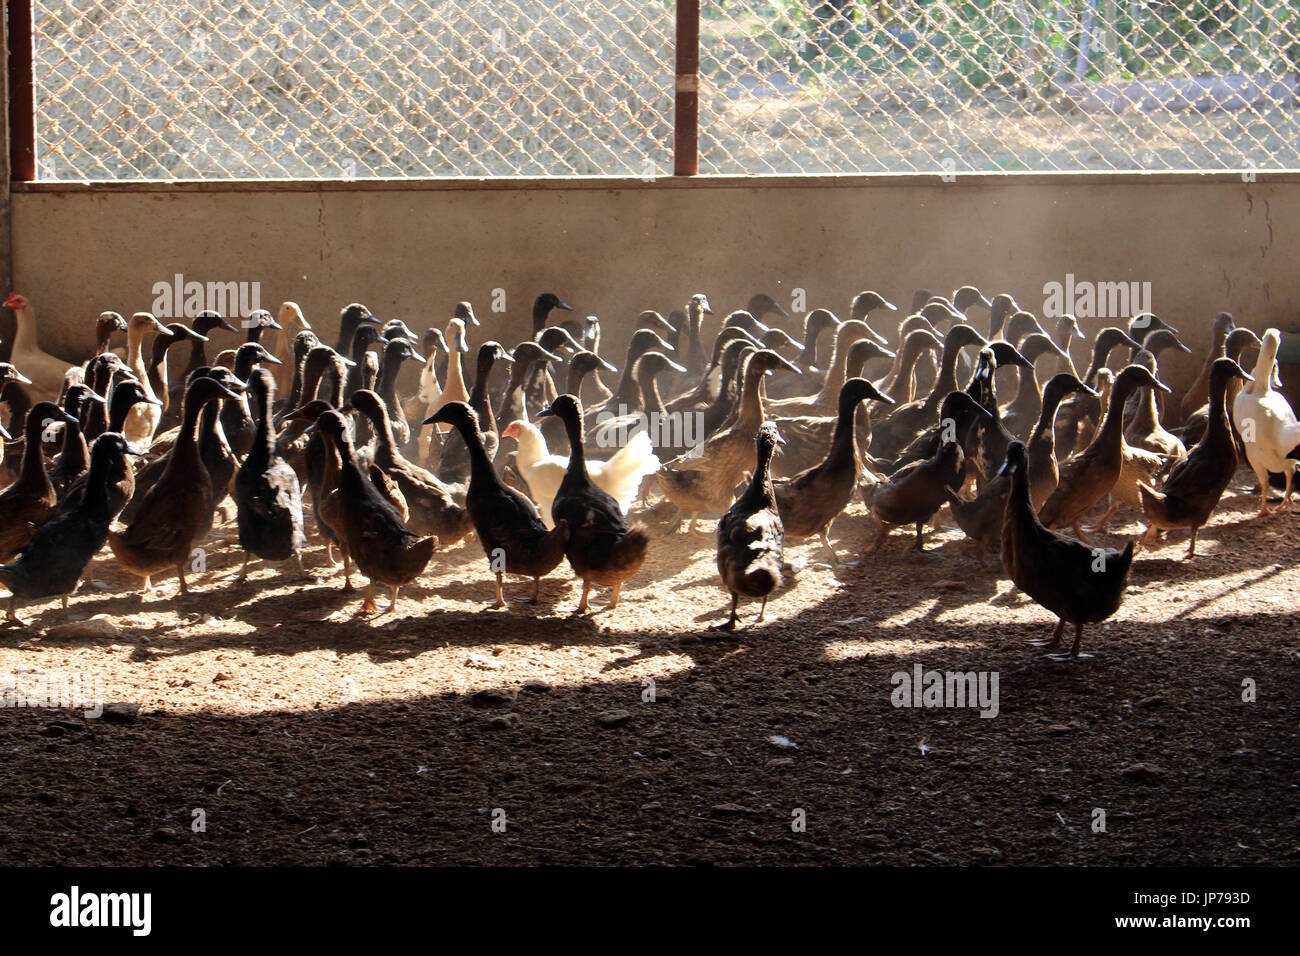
<point>751,539</point>
<point>178,507</point>
<point>383,548</point>
<point>601,548</point>
<point>1090,475</point>
<point>1195,484</point>
<point>812,499</point>
<point>510,529</point>
<point>1079,584</point>
<point>30,500</point>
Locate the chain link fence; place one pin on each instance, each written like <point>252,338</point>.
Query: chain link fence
<point>838,86</point>
<point>138,89</point>
<point>129,89</point>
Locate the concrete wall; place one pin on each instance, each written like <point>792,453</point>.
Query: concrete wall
<point>612,248</point>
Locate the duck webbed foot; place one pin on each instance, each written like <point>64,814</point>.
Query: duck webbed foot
<point>730,623</point>
<point>1056,636</point>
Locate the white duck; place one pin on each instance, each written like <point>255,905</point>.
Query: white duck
<point>1268,425</point>
<point>142,420</point>
<point>45,370</point>
<point>620,476</point>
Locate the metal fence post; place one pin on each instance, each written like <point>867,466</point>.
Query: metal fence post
<point>22,102</point>
<point>686,91</point>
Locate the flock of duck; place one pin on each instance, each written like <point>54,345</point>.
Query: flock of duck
<point>400,455</point>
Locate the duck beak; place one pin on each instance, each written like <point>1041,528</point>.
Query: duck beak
<point>1169,391</point>
<point>4,433</point>
<point>674,366</point>
<point>780,309</point>
<point>150,401</point>
<point>20,377</point>
<point>1007,468</point>
<point>132,450</point>
<point>546,412</point>
<point>1244,374</point>
<point>561,305</point>
<point>788,365</point>
<point>890,307</point>
<point>886,353</point>
<point>1276,379</point>
<point>269,359</point>
<point>610,367</point>
<point>878,396</point>
<point>196,336</point>
<point>880,339</point>
<point>223,324</point>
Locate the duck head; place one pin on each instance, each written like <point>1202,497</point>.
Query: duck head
<point>1006,354</point>
<point>967,296</point>
<point>207,321</point>
<point>456,414</point>
<point>744,320</point>
<point>856,390</point>
<point>761,305</point>
<point>465,312</point>
<point>650,319</point>
<point>556,337</point>
<point>585,362</point>
<point>864,303</point>
<point>1144,323</point>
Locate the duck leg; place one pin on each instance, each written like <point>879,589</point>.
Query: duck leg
<point>1263,494</point>
<point>12,616</point>
<point>347,571</point>
<point>368,605</point>
<point>613,596</point>
<point>586,590</point>
<point>730,623</point>
<point>1074,649</point>
<point>761,611</point>
<point>1101,523</point>
<point>186,590</point>
<point>501,598</point>
<point>1286,499</point>
<point>1191,547</point>
<point>1079,531</point>
<point>393,606</point>
<point>920,539</point>
<point>1056,636</point>
<point>243,571</point>
<point>880,537</point>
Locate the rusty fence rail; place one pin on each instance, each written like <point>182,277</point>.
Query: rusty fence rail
<point>302,89</point>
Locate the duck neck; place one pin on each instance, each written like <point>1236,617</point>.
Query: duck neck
<point>382,425</point>
<point>751,408</point>
<point>264,437</point>
<point>811,334</point>
<point>96,498</point>
<point>1146,418</point>
<point>386,386</point>
<point>25,339</point>
<point>540,312</point>
<point>625,392</point>
<point>32,472</point>
<point>946,380</point>
<point>481,472</point>
<point>843,445</point>
<point>1044,429</point>
<point>73,454</point>
<point>577,457</point>
<point>134,359</point>
<point>1112,426</point>
<point>760,493</point>
<point>651,402</point>
<point>838,367</point>
<point>573,379</point>
<point>1028,391</point>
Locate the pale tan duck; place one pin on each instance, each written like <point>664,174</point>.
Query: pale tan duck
<point>143,418</point>
<point>826,401</point>
<point>290,317</point>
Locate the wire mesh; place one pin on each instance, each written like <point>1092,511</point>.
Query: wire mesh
<point>129,89</point>
<point>838,86</point>
<point>327,89</point>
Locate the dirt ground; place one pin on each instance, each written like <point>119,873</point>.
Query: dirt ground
<point>277,729</point>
